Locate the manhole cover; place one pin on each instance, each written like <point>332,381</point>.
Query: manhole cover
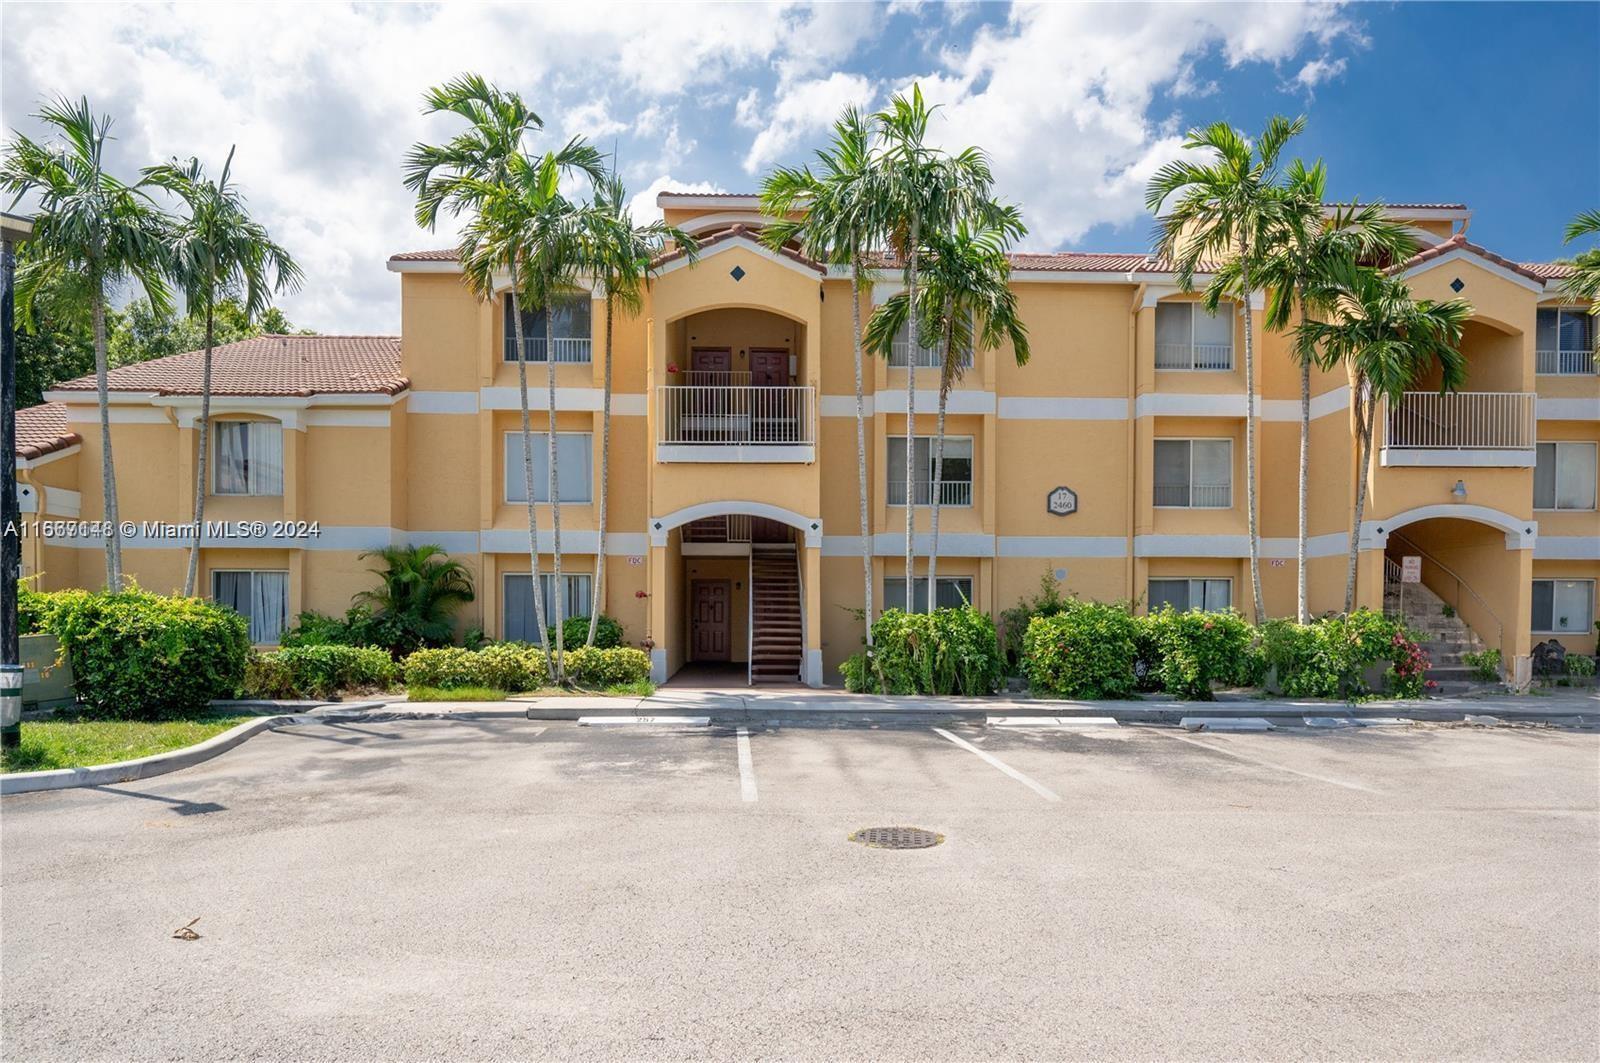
<point>896,838</point>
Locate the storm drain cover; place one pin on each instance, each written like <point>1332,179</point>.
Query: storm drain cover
<point>896,838</point>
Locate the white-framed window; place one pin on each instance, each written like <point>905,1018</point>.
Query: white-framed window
<point>1187,337</point>
<point>247,458</point>
<point>570,330</point>
<point>516,609</point>
<point>1563,606</point>
<point>1564,477</point>
<point>954,592</point>
<point>1207,595</point>
<point>574,467</point>
<point>1194,473</point>
<point>261,596</point>
<point>1564,341</point>
<point>955,481</point>
<point>927,357</point>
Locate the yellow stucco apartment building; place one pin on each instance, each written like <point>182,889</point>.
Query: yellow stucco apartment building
<point>1114,460</point>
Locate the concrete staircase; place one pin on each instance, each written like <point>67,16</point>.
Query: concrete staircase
<point>1445,638</point>
<point>776,640</point>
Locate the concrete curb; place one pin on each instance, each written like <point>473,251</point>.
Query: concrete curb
<point>26,782</point>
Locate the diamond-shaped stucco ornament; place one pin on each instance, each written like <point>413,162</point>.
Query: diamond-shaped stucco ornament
<point>1062,501</point>
<point>737,273</point>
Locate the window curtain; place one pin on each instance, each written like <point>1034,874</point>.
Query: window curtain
<point>574,467</point>
<point>264,457</point>
<point>517,615</point>
<point>1173,323</point>
<point>269,606</point>
<point>230,459</point>
<point>1575,476</point>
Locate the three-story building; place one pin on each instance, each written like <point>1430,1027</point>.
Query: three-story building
<point>1113,462</point>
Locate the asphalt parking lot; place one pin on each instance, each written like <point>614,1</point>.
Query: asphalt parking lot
<point>494,889</point>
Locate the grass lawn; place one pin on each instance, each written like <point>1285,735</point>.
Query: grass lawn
<point>642,689</point>
<point>75,742</point>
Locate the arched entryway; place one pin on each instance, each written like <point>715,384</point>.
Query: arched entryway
<point>1475,566</point>
<point>735,595</point>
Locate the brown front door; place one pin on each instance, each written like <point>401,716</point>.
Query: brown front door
<point>711,360</point>
<point>711,619</point>
<point>769,367</point>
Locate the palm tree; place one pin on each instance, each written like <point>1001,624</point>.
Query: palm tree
<point>553,238</point>
<point>619,253</point>
<point>420,588</point>
<point>1584,284</point>
<point>92,224</point>
<point>472,175</point>
<point>919,189</point>
<point>968,292</point>
<point>217,252</point>
<point>1300,243</point>
<point>1221,213</point>
<point>836,225</point>
<point>1388,341</point>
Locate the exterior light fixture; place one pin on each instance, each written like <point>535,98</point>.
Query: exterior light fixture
<point>1459,491</point>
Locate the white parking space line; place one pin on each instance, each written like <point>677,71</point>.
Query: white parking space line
<point>747,767</point>
<point>1215,748</point>
<point>996,762</point>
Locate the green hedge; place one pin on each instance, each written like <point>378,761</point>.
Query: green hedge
<point>1185,653</point>
<point>318,671</point>
<point>1088,650</point>
<point>509,666</point>
<point>948,651</point>
<point>575,632</point>
<point>142,656</point>
<point>614,666</point>
<point>1328,658</point>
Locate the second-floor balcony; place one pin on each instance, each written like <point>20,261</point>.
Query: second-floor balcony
<point>1465,428</point>
<point>567,349</point>
<point>735,423</point>
<point>1563,362</point>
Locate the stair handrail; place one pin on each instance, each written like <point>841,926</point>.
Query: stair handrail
<point>800,585</point>
<point>1500,634</point>
<point>750,618</point>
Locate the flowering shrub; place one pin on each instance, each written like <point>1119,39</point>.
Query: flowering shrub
<point>1086,651</point>
<point>1328,657</point>
<point>948,651</point>
<point>1185,653</point>
<point>608,667</point>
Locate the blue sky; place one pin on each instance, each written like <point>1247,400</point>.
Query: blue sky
<point>1492,105</point>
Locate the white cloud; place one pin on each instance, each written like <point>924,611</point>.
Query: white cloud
<point>802,113</point>
<point>1061,96</point>
<point>1319,70</point>
<point>642,207</point>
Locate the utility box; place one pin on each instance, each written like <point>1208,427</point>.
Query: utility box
<point>46,684</point>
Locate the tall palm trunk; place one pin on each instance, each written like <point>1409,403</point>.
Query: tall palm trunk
<point>605,477</point>
<point>193,575</point>
<point>1366,409</point>
<point>1302,607</point>
<point>912,343</point>
<point>946,375</point>
<point>861,445</point>
<point>108,472</point>
<point>556,591</point>
<point>527,468</point>
<point>1250,432</point>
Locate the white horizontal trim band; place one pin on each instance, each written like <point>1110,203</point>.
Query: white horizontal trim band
<point>355,538</point>
<point>1567,548</point>
<point>1568,409</point>
<point>577,400</point>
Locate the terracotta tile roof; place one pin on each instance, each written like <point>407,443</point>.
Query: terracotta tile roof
<point>270,365</point>
<point>43,430</point>
<point>1550,271</point>
<point>1459,242</point>
<point>1069,262</point>
<point>733,232</point>
<point>445,254</point>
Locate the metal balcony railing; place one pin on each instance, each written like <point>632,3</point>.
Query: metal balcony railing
<point>1194,496</point>
<point>697,415</point>
<point>1463,420</point>
<point>569,349</point>
<point>1194,356</point>
<point>927,357</point>
<point>1564,363</point>
<point>951,492</point>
